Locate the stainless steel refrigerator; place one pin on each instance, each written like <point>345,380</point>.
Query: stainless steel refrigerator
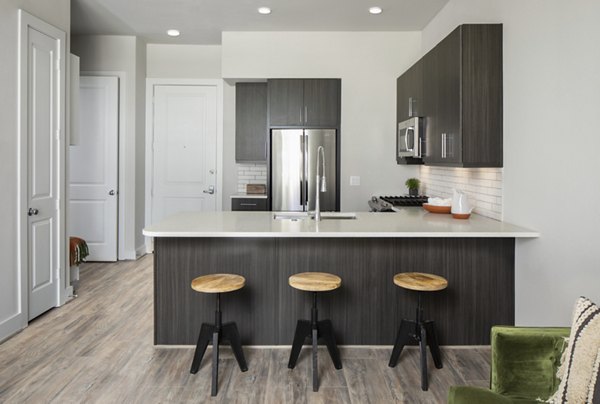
<point>293,169</point>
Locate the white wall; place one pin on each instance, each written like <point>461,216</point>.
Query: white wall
<point>368,64</point>
<point>140,146</point>
<point>551,143</point>
<point>184,61</point>
<point>57,13</point>
<point>113,53</point>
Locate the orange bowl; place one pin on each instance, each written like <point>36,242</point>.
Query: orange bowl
<point>461,215</point>
<point>436,209</point>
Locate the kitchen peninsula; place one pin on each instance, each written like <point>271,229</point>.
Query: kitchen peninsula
<point>475,255</point>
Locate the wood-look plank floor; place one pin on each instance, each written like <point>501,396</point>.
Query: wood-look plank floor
<point>98,349</point>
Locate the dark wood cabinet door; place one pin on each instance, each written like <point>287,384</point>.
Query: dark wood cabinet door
<point>441,82</point>
<point>462,92</point>
<point>251,130</point>
<point>249,204</point>
<point>482,95</point>
<point>286,102</point>
<point>433,138</point>
<point>322,102</point>
<point>448,81</point>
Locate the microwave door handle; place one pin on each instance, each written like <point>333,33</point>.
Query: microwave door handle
<point>409,129</point>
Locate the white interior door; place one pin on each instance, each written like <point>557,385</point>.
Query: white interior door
<point>184,149</point>
<point>43,81</point>
<point>93,168</point>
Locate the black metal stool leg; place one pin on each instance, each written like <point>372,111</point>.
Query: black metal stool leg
<point>303,330</point>
<point>326,332</point>
<point>433,344</point>
<point>230,333</point>
<point>423,349</point>
<point>205,336</point>
<point>405,336</point>
<point>215,344</point>
<point>215,364</point>
<point>315,367</point>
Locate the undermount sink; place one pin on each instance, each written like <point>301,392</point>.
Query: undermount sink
<point>291,216</point>
<point>306,215</point>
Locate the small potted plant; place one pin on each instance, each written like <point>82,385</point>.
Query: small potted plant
<point>413,185</point>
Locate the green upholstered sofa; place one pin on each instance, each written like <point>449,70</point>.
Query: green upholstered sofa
<point>524,363</point>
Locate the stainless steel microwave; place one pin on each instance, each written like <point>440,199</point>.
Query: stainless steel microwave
<point>410,138</point>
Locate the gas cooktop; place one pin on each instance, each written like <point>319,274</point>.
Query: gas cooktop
<point>386,203</point>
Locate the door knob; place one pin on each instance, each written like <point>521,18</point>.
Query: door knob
<point>32,212</point>
<point>210,190</point>
<point>111,192</point>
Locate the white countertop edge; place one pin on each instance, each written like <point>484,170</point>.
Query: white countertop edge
<point>343,235</point>
<point>251,196</point>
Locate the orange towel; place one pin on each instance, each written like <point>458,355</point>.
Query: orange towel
<point>78,250</point>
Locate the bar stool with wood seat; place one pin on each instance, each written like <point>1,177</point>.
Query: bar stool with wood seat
<point>215,333</point>
<point>315,329</point>
<point>420,331</point>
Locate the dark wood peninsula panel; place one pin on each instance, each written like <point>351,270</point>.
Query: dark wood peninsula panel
<point>368,307</point>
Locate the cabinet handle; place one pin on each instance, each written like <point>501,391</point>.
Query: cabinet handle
<point>443,145</point>
<point>410,107</point>
<point>305,114</point>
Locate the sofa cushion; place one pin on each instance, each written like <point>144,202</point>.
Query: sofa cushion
<point>580,369</point>
<point>524,360</point>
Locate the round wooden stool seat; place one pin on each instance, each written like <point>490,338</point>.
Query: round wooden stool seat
<point>315,281</point>
<point>420,281</point>
<point>218,283</point>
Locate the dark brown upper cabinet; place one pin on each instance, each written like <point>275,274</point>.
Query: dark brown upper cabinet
<point>304,102</point>
<point>462,91</point>
<point>251,130</point>
<point>457,88</point>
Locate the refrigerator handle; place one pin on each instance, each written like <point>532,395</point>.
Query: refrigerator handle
<point>302,162</point>
<point>306,170</point>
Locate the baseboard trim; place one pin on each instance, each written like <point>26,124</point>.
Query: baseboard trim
<point>140,251</point>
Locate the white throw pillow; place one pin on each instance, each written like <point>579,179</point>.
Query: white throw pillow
<point>580,371</point>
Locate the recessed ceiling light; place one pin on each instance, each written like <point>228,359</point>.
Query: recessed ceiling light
<point>264,10</point>
<point>375,10</point>
<point>173,32</point>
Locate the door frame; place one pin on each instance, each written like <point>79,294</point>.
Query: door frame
<point>26,21</point>
<point>122,194</point>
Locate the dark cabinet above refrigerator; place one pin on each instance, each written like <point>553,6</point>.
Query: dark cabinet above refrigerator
<point>304,102</point>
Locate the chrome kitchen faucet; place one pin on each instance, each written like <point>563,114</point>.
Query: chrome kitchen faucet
<point>322,180</point>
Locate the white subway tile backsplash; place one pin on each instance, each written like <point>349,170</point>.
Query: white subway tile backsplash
<point>250,174</point>
<point>483,185</point>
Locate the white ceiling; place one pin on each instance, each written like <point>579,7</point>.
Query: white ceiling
<point>202,21</point>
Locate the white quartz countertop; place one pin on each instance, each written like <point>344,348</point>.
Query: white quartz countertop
<point>252,196</point>
<point>407,222</point>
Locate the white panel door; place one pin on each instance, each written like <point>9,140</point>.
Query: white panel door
<point>42,171</point>
<point>184,149</point>
<point>93,168</point>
